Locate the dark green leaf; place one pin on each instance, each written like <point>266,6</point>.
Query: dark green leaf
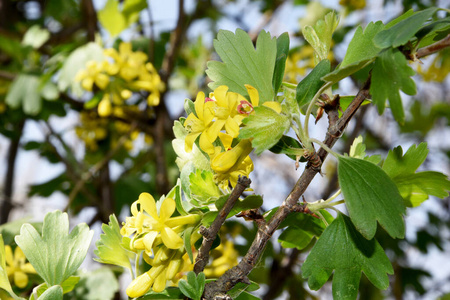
<point>265,126</point>
<point>343,249</point>
<point>403,31</point>
<point>169,293</point>
<point>308,87</point>
<point>242,288</point>
<point>371,196</point>
<point>249,202</point>
<point>391,74</point>
<point>187,242</point>
<point>280,63</point>
<point>243,64</point>
<point>194,286</point>
<point>289,146</point>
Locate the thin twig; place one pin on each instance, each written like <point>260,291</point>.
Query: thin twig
<point>209,235</point>
<point>444,43</point>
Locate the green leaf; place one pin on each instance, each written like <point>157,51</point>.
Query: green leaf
<point>175,193</point>
<point>400,33</point>
<point>246,296</point>
<point>371,196</point>
<point>320,35</point>
<point>187,242</point>
<point>311,84</point>
<point>67,286</point>
<point>75,62</point>
<point>96,285</point>
<point>55,255</point>
<point>361,47</point>
<point>242,288</point>
<point>194,286</point>
<point>132,8</point>
<point>109,249</point>
<point>249,202</point>
<point>265,126</point>
<point>53,293</point>
<point>391,73</point>
<point>243,64</point>
<point>289,146</point>
<point>414,187</point>
<point>35,36</point>
<point>358,150</point>
<point>340,73</point>
<point>112,18</point>
<point>280,64</point>
<point>301,229</point>
<point>203,187</point>
<point>168,293</point>
<point>343,249</point>
<point>434,32</point>
<point>24,91</point>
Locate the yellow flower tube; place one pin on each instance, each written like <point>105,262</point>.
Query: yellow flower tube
<point>226,160</point>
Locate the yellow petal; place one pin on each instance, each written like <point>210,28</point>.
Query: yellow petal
<point>101,80</point>
<point>104,107</point>
<point>148,204</point>
<point>190,140</point>
<point>253,93</point>
<point>28,268</point>
<point>20,279</point>
<point>149,240</point>
<point>173,268</point>
<point>226,140</point>
<point>199,104</point>
<point>160,282</point>
<point>232,127</point>
<point>9,255</point>
<point>182,220</point>
<point>87,84</point>
<point>171,239</point>
<point>276,106</point>
<point>167,209</point>
<point>220,94</point>
<point>140,285</point>
<point>206,145</point>
<point>214,130</point>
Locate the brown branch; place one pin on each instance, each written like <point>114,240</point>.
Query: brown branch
<point>7,75</point>
<point>90,17</point>
<point>210,234</point>
<point>239,273</point>
<point>7,205</point>
<point>439,45</point>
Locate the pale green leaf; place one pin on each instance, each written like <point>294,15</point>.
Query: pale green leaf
<point>391,73</point>
<point>75,62</point>
<point>358,150</point>
<point>343,249</point>
<point>400,33</point>
<point>109,249</point>
<point>265,126</point>
<point>24,91</point>
<point>68,285</point>
<point>53,293</point>
<point>203,187</point>
<point>370,196</point>
<point>112,18</point>
<point>243,64</point>
<point>57,254</point>
<point>35,36</point>
<point>99,284</point>
<point>320,35</point>
<point>414,187</point>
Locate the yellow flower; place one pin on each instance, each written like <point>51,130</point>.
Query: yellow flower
<point>230,164</point>
<point>16,267</point>
<point>105,107</point>
<point>92,74</point>
<point>196,125</point>
<point>224,257</point>
<point>153,225</point>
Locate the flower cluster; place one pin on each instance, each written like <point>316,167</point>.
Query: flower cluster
<point>158,236</point>
<point>119,75</point>
<point>218,118</point>
<point>93,130</point>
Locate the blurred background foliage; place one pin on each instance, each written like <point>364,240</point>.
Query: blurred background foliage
<point>90,129</point>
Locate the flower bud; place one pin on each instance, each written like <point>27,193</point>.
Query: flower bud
<point>140,285</point>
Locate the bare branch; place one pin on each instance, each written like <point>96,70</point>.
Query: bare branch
<point>209,235</point>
